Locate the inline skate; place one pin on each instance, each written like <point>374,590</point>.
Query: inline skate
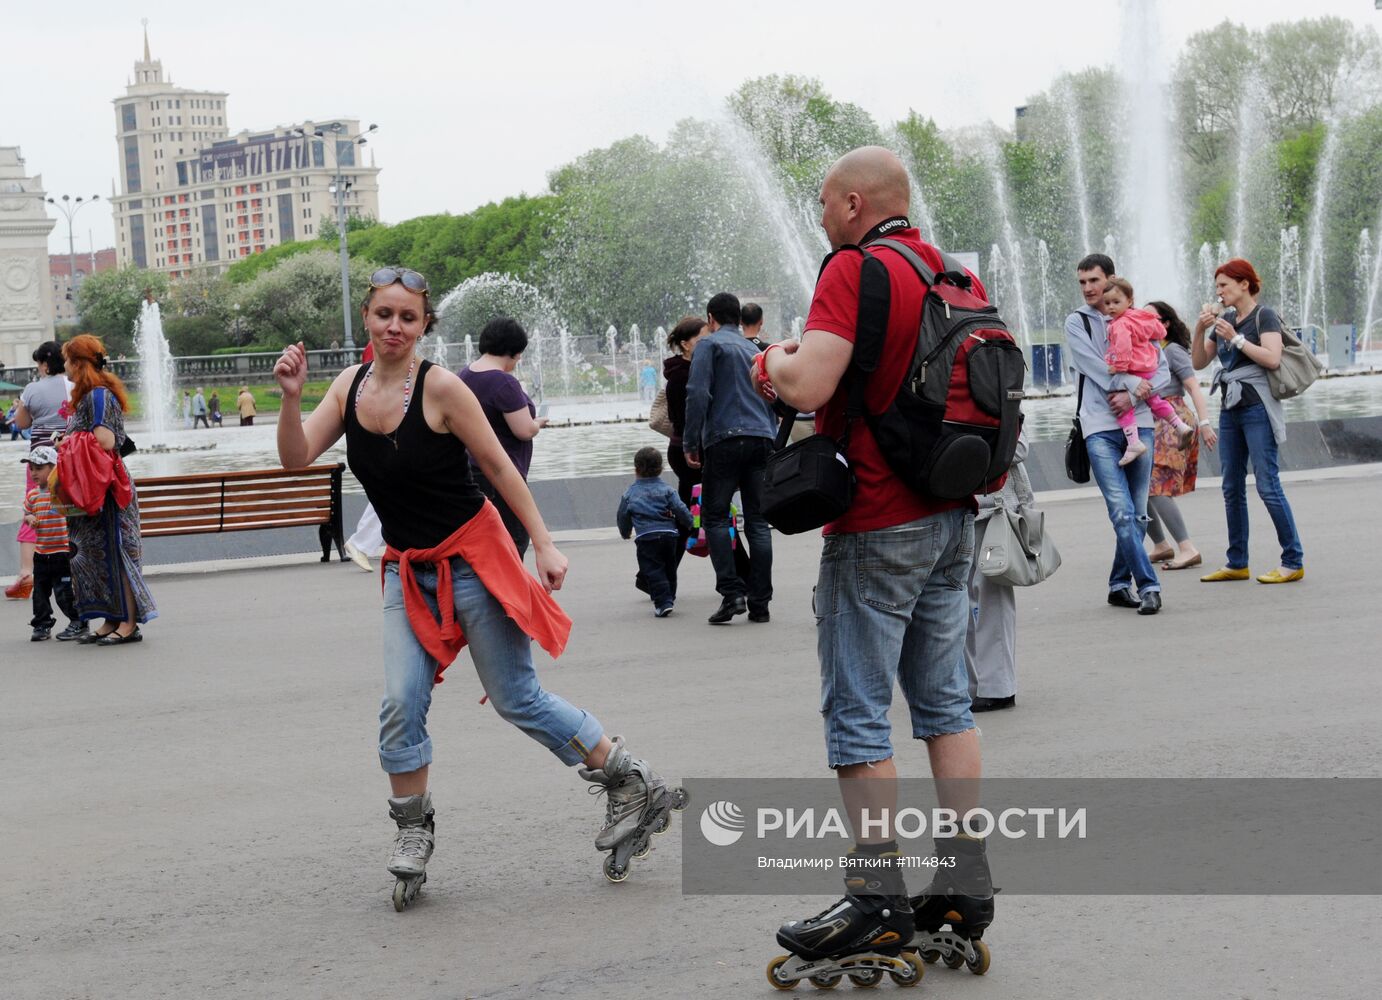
<point>639,804</point>
<point>961,897</point>
<point>412,845</point>
<point>863,936</point>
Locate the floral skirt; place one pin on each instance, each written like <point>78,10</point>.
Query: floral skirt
<point>1174,468</point>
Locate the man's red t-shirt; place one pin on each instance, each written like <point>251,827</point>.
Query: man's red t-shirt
<point>881,500</point>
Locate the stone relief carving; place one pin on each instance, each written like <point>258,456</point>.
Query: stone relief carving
<point>17,272</point>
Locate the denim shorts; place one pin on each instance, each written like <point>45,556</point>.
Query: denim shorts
<point>503,659</point>
<point>892,606</point>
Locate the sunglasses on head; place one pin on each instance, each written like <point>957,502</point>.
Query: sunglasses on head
<point>386,276</point>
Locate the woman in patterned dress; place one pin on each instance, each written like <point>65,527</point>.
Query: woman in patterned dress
<point>1175,468</point>
<point>107,580</point>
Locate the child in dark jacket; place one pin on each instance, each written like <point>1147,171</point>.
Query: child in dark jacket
<point>652,511</point>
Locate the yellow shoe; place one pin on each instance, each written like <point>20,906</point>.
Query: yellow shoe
<point>1276,576</point>
<point>1227,573</point>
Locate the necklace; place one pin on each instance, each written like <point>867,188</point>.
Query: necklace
<point>407,396</point>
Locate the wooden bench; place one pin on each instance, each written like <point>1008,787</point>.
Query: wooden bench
<point>212,502</point>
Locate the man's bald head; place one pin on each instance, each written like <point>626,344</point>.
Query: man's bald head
<point>862,188</point>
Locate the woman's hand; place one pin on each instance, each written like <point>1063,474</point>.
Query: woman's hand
<point>291,371</point>
<point>1208,435</point>
<point>1205,321</point>
<point>551,566</point>
<point>1224,331</point>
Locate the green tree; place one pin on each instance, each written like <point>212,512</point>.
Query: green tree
<point>1313,67</point>
<point>110,302</point>
<point>328,233</point>
<point>245,270</point>
<point>507,237</point>
<point>300,299</point>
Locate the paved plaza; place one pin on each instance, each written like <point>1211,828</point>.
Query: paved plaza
<point>203,815</point>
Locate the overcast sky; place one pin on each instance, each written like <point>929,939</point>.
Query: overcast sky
<point>477,101</point>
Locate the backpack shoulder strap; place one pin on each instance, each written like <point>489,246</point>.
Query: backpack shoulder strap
<point>1079,395</point>
<point>927,275</point>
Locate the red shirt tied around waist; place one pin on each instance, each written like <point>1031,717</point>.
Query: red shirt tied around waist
<point>484,543</point>
<point>881,500</point>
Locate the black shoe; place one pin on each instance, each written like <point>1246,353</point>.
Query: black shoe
<point>759,615</point>
<point>39,634</point>
<point>1124,597</point>
<point>993,704</point>
<point>74,630</point>
<point>663,611</point>
<point>116,639</point>
<point>1151,603</point>
<point>729,607</point>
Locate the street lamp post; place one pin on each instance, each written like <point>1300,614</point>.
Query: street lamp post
<point>69,207</point>
<point>338,188</point>
<point>236,306</point>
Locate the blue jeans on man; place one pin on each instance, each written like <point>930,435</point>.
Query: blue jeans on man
<point>737,463</point>
<point>1246,432</point>
<point>1125,494</point>
<point>892,607</point>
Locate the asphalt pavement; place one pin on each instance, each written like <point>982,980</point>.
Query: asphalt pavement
<point>203,815</point>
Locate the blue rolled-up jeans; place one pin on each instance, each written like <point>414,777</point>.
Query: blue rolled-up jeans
<point>892,607</point>
<point>737,463</point>
<point>503,659</point>
<point>1125,494</point>
<point>1246,432</point>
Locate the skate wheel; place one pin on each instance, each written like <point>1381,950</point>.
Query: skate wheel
<point>916,971</point>
<point>644,851</point>
<point>825,981</point>
<point>680,799</point>
<point>954,959</point>
<point>663,824</point>
<point>930,956</point>
<point>779,983</point>
<point>612,871</point>
<point>866,980</point>
<point>982,958</point>
<point>400,895</point>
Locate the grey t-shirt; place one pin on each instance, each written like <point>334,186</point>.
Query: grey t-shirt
<point>43,399</point>
<point>1178,362</point>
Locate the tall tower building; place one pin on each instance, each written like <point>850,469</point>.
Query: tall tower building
<point>26,297</point>
<point>192,195</point>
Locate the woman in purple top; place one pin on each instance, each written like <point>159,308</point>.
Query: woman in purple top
<point>507,407</point>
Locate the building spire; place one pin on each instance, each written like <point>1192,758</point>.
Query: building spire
<point>145,23</point>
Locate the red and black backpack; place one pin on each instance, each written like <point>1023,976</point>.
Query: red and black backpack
<point>951,431</point>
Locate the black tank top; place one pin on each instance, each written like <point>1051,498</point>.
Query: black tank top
<point>418,480</point>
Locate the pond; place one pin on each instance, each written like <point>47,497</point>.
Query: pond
<point>590,437</point>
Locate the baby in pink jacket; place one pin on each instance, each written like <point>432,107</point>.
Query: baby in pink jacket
<point>1131,349</point>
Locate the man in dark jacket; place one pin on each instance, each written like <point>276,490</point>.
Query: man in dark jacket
<point>729,434</point>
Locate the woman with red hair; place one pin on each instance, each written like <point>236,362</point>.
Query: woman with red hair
<point>107,580</point>
<point>1247,344</point>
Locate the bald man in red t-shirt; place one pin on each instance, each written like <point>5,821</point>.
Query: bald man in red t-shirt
<point>891,599</point>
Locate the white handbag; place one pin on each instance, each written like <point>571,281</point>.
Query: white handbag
<point>1016,550</point>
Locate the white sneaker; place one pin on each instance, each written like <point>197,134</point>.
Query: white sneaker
<point>358,558</point>
<point>1136,449</point>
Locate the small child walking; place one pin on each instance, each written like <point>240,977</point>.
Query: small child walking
<point>1131,349</point>
<point>52,566</point>
<point>652,511</point>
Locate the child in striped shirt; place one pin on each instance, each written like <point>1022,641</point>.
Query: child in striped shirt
<point>52,568</point>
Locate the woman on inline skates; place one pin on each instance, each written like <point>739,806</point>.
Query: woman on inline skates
<point>411,430</point>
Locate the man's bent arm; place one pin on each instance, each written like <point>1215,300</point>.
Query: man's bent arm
<point>806,378</point>
<point>1086,359</point>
